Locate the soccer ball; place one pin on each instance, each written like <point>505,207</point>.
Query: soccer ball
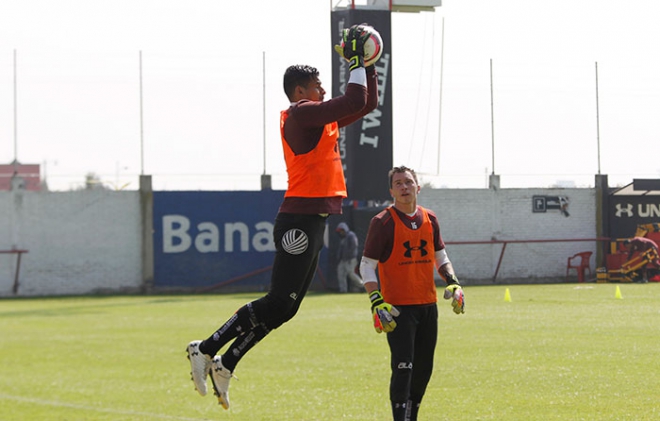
<point>373,46</point>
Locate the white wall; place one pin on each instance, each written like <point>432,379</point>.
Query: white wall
<point>90,241</point>
<point>78,242</point>
<point>485,214</point>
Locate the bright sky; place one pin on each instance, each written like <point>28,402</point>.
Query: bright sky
<point>78,89</point>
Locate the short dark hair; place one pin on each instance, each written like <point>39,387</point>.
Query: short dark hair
<point>298,75</point>
<point>402,169</point>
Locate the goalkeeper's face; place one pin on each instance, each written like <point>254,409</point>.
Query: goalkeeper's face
<point>313,91</point>
<point>404,188</point>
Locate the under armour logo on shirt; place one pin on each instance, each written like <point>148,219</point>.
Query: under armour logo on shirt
<point>421,248</point>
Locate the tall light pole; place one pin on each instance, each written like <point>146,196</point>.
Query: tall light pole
<point>141,121</point>
<point>492,120</point>
<point>15,116</point>
<point>266,182</point>
<point>597,120</point>
<point>442,61</point>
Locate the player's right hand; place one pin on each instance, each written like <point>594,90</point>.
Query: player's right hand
<point>383,313</point>
<point>455,292</point>
<point>353,45</point>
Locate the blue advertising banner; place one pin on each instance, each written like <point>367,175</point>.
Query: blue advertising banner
<point>205,239</point>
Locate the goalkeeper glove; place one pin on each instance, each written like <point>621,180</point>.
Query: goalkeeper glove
<point>455,292</point>
<point>352,45</point>
<point>383,313</point>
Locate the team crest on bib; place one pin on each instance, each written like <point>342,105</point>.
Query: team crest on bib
<point>295,241</point>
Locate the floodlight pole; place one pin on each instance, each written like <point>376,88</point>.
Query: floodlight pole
<point>442,60</point>
<point>141,121</point>
<point>597,120</point>
<point>263,76</point>
<point>492,120</point>
<point>15,116</point>
<point>266,181</point>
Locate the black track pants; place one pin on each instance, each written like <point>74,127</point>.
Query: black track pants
<point>298,242</point>
<point>412,345</point>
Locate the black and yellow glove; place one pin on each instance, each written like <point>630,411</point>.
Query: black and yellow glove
<point>384,313</point>
<point>455,292</point>
<point>352,45</point>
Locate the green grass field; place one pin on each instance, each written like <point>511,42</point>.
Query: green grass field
<point>554,352</point>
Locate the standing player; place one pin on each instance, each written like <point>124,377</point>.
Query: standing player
<point>405,244</point>
<point>316,188</point>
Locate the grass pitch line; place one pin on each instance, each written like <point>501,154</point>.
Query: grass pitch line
<point>44,402</point>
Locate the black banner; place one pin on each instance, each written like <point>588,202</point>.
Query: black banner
<point>366,145</point>
<point>627,212</point>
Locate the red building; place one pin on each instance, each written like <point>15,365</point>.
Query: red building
<point>30,175</point>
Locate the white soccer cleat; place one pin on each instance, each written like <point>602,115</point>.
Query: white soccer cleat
<point>200,365</point>
<point>220,377</point>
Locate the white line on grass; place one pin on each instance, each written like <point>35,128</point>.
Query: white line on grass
<point>91,408</point>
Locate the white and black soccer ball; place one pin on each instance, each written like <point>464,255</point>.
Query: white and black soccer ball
<point>373,46</point>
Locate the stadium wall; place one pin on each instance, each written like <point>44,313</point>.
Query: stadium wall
<point>479,215</point>
<point>92,241</point>
<point>78,242</point>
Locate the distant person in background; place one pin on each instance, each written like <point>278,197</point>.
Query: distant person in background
<point>347,260</point>
<point>641,245</point>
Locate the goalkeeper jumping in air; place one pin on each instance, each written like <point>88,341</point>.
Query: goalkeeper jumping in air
<point>316,188</point>
<point>405,245</point>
